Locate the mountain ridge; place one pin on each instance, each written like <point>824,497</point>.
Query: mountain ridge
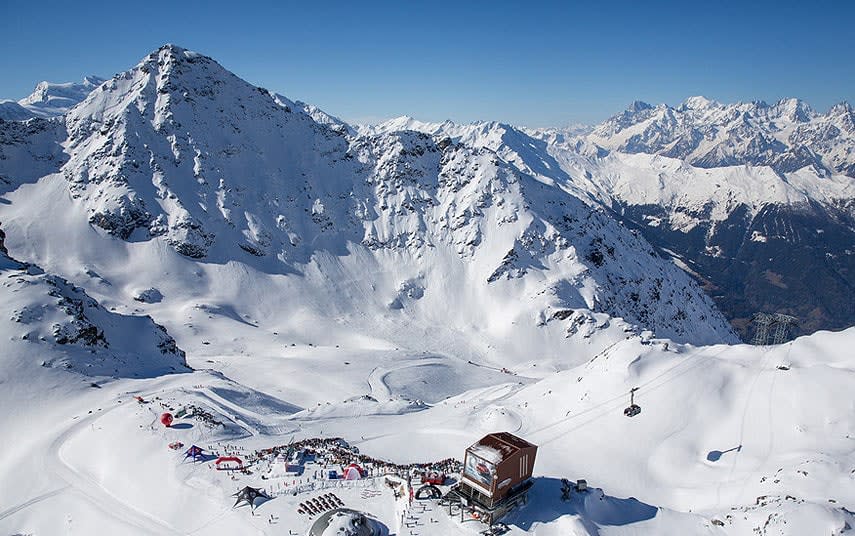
<point>719,223</point>
<point>181,151</point>
<point>105,168</point>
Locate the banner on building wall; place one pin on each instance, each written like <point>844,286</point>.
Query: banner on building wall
<point>480,470</point>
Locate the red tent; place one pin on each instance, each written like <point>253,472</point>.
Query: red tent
<point>352,472</point>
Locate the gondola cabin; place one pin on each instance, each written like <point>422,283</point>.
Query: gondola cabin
<point>497,474</point>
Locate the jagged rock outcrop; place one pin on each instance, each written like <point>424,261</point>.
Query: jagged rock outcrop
<point>49,310</point>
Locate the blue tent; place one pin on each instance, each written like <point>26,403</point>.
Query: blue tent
<point>195,452</point>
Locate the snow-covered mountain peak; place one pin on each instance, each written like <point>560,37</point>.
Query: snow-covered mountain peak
<point>166,79</point>
<point>199,138</point>
<point>638,106</point>
<point>841,108</point>
<point>795,110</point>
<point>51,99</point>
<point>445,128</point>
<point>180,152</point>
<point>698,103</point>
<point>402,122</point>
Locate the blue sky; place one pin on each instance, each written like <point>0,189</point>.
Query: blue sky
<point>527,63</point>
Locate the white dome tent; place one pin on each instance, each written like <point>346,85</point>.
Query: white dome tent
<point>346,522</point>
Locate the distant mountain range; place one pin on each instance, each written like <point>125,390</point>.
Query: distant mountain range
<point>786,136</point>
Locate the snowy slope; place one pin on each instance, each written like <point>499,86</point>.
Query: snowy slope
<point>731,440</point>
<point>60,347</point>
<point>12,111</point>
<point>73,331</point>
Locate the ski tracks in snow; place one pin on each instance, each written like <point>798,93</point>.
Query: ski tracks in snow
<point>35,500</point>
<point>95,492</point>
<point>76,482</point>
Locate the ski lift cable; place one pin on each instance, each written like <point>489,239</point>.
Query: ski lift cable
<point>619,397</point>
<point>697,364</point>
<point>590,408</point>
<point>751,392</point>
<point>692,366</point>
<point>610,400</point>
<point>697,354</point>
<point>614,406</point>
<point>608,410</point>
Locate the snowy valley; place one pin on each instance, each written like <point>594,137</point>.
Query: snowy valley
<point>175,239</point>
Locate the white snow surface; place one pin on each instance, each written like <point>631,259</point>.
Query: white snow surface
<point>487,453</point>
<point>407,292</point>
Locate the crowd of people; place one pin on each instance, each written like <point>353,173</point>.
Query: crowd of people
<point>336,451</point>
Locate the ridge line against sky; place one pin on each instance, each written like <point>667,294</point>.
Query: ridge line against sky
<point>552,64</point>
